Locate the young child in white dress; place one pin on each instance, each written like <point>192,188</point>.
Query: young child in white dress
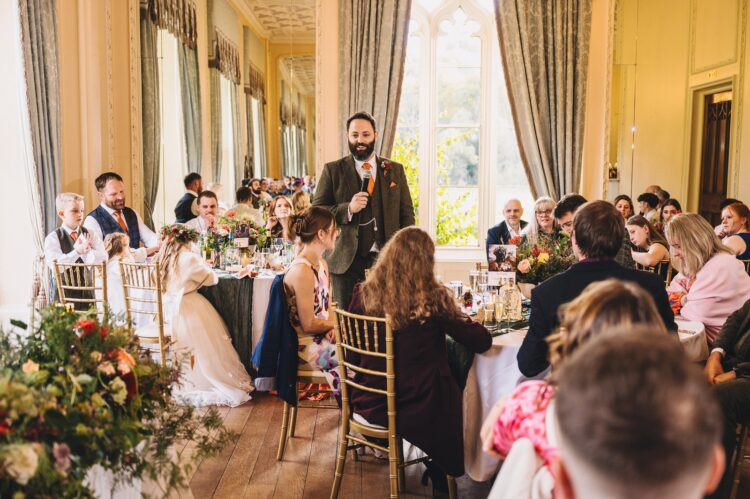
<point>216,376</point>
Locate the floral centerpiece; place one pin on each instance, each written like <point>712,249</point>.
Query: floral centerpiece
<point>243,226</point>
<point>76,393</point>
<point>549,256</point>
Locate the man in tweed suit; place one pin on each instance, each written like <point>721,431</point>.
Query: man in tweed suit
<point>368,212</point>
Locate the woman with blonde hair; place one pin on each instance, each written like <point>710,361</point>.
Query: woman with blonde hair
<point>280,212</point>
<point>216,377</point>
<point>602,306</point>
<point>735,221</point>
<point>301,201</point>
<point>711,283</point>
<point>651,248</point>
<point>543,222</point>
<point>403,285</point>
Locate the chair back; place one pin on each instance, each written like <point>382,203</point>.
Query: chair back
<point>82,285</point>
<point>357,338</point>
<point>662,269</point>
<point>746,263</point>
<point>146,303</point>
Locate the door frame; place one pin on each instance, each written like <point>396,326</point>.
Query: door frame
<point>696,109</point>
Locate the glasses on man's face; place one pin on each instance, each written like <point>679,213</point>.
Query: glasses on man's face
<point>544,212</point>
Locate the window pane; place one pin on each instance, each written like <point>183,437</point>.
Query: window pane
<point>458,157</point>
<point>406,151</point>
<point>459,94</point>
<point>408,113</point>
<point>457,215</point>
<point>456,45</point>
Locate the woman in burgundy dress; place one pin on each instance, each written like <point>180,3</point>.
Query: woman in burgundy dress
<point>429,411</point>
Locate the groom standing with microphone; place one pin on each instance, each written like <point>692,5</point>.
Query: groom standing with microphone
<point>369,197</point>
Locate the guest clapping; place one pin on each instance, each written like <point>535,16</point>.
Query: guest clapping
<point>403,284</point>
<point>71,242</point>
<point>711,283</point>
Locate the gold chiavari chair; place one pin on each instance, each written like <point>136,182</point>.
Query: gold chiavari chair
<point>82,285</point>
<point>145,304</point>
<point>363,336</point>
<point>746,263</point>
<point>663,269</point>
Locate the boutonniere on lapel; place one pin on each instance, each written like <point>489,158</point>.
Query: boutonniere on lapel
<point>386,165</point>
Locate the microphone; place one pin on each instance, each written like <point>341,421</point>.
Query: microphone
<point>365,181</point>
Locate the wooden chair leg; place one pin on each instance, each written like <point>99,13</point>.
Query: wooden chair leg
<point>340,458</point>
<point>401,473</point>
<point>293,423</point>
<point>739,455</point>
<point>452,489</point>
<point>283,436</point>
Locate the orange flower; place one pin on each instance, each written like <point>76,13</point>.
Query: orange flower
<point>121,355</point>
<point>231,213</point>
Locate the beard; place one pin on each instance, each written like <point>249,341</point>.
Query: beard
<point>116,205</point>
<point>365,152</point>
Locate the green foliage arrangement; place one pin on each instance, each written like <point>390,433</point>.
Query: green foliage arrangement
<point>454,227</point>
<point>549,256</point>
<point>76,392</point>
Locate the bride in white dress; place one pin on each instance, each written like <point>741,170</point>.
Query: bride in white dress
<point>217,377</point>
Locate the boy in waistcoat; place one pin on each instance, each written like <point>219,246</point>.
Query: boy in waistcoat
<point>71,242</point>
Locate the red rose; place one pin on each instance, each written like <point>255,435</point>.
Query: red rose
<point>104,331</point>
<point>231,213</point>
<point>535,251</point>
<point>386,165</point>
<point>515,240</point>
<point>86,326</point>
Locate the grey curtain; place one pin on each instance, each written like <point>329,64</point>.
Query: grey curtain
<point>215,123</point>
<point>544,46</point>
<point>373,37</point>
<point>38,21</point>
<point>260,154</point>
<point>40,63</point>
<point>250,156</point>
<point>150,114</point>
<point>191,105</point>
<point>239,166</point>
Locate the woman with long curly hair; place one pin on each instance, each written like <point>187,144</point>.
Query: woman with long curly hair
<point>216,376</point>
<point>602,306</point>
<point>423,311</point>
<point>280,212</point>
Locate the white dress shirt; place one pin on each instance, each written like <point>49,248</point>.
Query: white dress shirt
<point>373,160</point>
<point>53,251</point>
<point>149,238</point>
<point>198,224</point>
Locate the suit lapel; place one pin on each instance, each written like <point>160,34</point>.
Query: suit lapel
<point>351,177</point>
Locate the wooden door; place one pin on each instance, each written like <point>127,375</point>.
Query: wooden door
<point>715,155</point>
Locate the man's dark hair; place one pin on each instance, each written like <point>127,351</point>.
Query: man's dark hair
<point>207,194</point>
<point>101,180</point>
<point>243,194</point>
<point>361,115</point>
<point>727,202</point>
<point>651,199</point>
<point>626,402</point>
<point>598,229</point>
<point>568,204</point>
<point>190,178</point>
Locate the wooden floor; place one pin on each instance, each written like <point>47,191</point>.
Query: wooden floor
<point>248,468</point>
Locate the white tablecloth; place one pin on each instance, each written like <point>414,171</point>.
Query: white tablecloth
<point>261,293</point>
<point>495,374</point>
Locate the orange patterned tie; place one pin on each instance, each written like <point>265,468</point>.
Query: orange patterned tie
<point>371,184</point>
<point>74,235</point>
<point>121,221</point>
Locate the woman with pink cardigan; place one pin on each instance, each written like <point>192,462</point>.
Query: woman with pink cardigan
<point>711,283</point>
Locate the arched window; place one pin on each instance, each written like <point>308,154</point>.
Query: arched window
<point>455,131</point>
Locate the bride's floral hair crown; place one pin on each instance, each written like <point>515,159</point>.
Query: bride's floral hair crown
<point>179,232</point>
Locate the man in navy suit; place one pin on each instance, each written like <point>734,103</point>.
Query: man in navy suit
<point>186,208</point>
<point>596,238</point>
<point>512,226</point>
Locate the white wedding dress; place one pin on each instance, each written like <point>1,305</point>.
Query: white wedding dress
<point>217,376</point>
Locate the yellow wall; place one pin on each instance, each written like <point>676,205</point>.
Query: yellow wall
<point>667,54</point>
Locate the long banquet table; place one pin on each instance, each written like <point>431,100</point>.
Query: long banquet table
<point>242,303</point>
<point>495,374</point>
